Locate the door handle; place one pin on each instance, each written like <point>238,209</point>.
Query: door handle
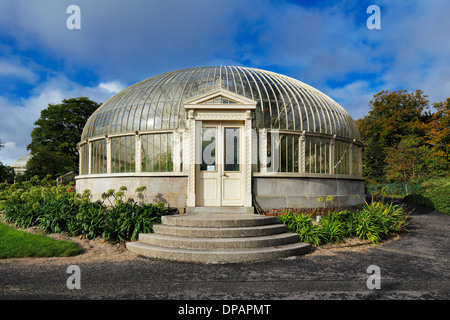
<point>224,175</point>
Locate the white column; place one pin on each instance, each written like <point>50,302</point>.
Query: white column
<point>301,153</point>
<point>263,150</point>
<point>332,150</point>
<point>137,151</point>
<point>108,154</point>
<point>176,151</point>
<point>190,201</point>
<point>90,157</point>
<point>185,150</point>
<point>248,160</point>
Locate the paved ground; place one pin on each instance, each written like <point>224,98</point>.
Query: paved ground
<point>413,267</point>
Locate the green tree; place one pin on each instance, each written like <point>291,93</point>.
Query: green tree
<point>54,139</point>
<point>438,137</point>
<point>407,160</point>
<point>393,115</point>
<point>6,172</point>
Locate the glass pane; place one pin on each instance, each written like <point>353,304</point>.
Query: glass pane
<point>157,152</point>
<point>341,158</point>
<point>123,154</point>
<point>84,159</point>
<point>356,157</point>
<point>231,149</point>
<point>98,163</point>
<point>208,149</point>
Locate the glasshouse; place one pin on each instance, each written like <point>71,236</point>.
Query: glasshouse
<point>224,136</point>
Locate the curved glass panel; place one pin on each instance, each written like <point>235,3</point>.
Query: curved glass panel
<point>84,159</point>
<point>98,163</point>
<point>156,152</point>
<point>123,154</point>
<point>282,103</point>
<point>341,157</point>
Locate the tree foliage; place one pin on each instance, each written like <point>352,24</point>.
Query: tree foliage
<point>54,139</point>
<point>403,139</point>
<point>438,137</point>
<point>6,172</point>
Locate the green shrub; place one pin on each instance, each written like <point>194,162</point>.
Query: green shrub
<point>375,222</point>
<point>378,221</point>
<point>302,224</point>
<point>127,219</point>
<point>59,209</point>
<point>434,193</point>
<point>331,228</point>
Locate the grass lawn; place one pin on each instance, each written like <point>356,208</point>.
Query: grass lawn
<point>19,244</point>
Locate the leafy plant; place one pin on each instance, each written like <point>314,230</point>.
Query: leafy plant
<point>59,209</point>
<point>302,224</point>
<point>433,193</point>
<point>331,229</point>
<point>375,222</point>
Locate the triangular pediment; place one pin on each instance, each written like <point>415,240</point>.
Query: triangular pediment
<point>219,100</point>
<point>220,96</point>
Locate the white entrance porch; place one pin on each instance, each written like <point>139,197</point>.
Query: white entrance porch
<point>217,149</point>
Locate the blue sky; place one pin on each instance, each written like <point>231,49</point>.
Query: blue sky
<point>325,44</point>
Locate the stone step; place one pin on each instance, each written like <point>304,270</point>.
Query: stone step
<point>220,255</point>
<point>218,243</point>
<point>231,232</point>
<point>217,220</point>
<point>218,238</point>
<point>221,210</point>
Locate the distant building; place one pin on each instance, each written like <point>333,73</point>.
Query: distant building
<point>20,166</point>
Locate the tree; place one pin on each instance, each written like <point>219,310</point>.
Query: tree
<point>438,137</point>
<point>54,139</point>
<point>407,160</point>
<point>393,115</point>
<point>6,172</point>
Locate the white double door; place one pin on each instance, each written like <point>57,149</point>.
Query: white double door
<point>219,170</point>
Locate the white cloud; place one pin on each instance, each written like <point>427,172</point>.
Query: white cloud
<point>18,117</point>
<point>353,97</point>
<point>10,69</point>
<point>112,86</point>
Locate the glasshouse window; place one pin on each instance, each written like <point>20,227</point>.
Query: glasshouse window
<point>157,152</point>
<point>341,158</point>
<point>123,154</point>
<point>98,164</point>
<point>84,163</point>
<point>317,155</point>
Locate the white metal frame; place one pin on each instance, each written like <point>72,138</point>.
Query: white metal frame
<point>197,112</point>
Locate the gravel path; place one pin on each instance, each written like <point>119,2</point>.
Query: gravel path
<point>412,267</point>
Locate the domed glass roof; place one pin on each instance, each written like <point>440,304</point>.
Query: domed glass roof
<point>282,103</point>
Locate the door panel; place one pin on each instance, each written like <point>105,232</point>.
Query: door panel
<point>219,174</point>
<point>232,194</point>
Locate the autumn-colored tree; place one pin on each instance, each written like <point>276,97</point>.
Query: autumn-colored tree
<point>392,116</point>
<point>438,137</point>
<point>407,160</point>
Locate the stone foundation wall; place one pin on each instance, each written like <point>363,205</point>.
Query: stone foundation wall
<point>170,190</point>
<point>306,195</point>
<point>272,196</point>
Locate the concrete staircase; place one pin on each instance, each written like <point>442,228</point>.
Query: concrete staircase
<point>218,237</point>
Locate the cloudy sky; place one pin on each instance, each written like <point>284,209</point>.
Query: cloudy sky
<point>324,43</point>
